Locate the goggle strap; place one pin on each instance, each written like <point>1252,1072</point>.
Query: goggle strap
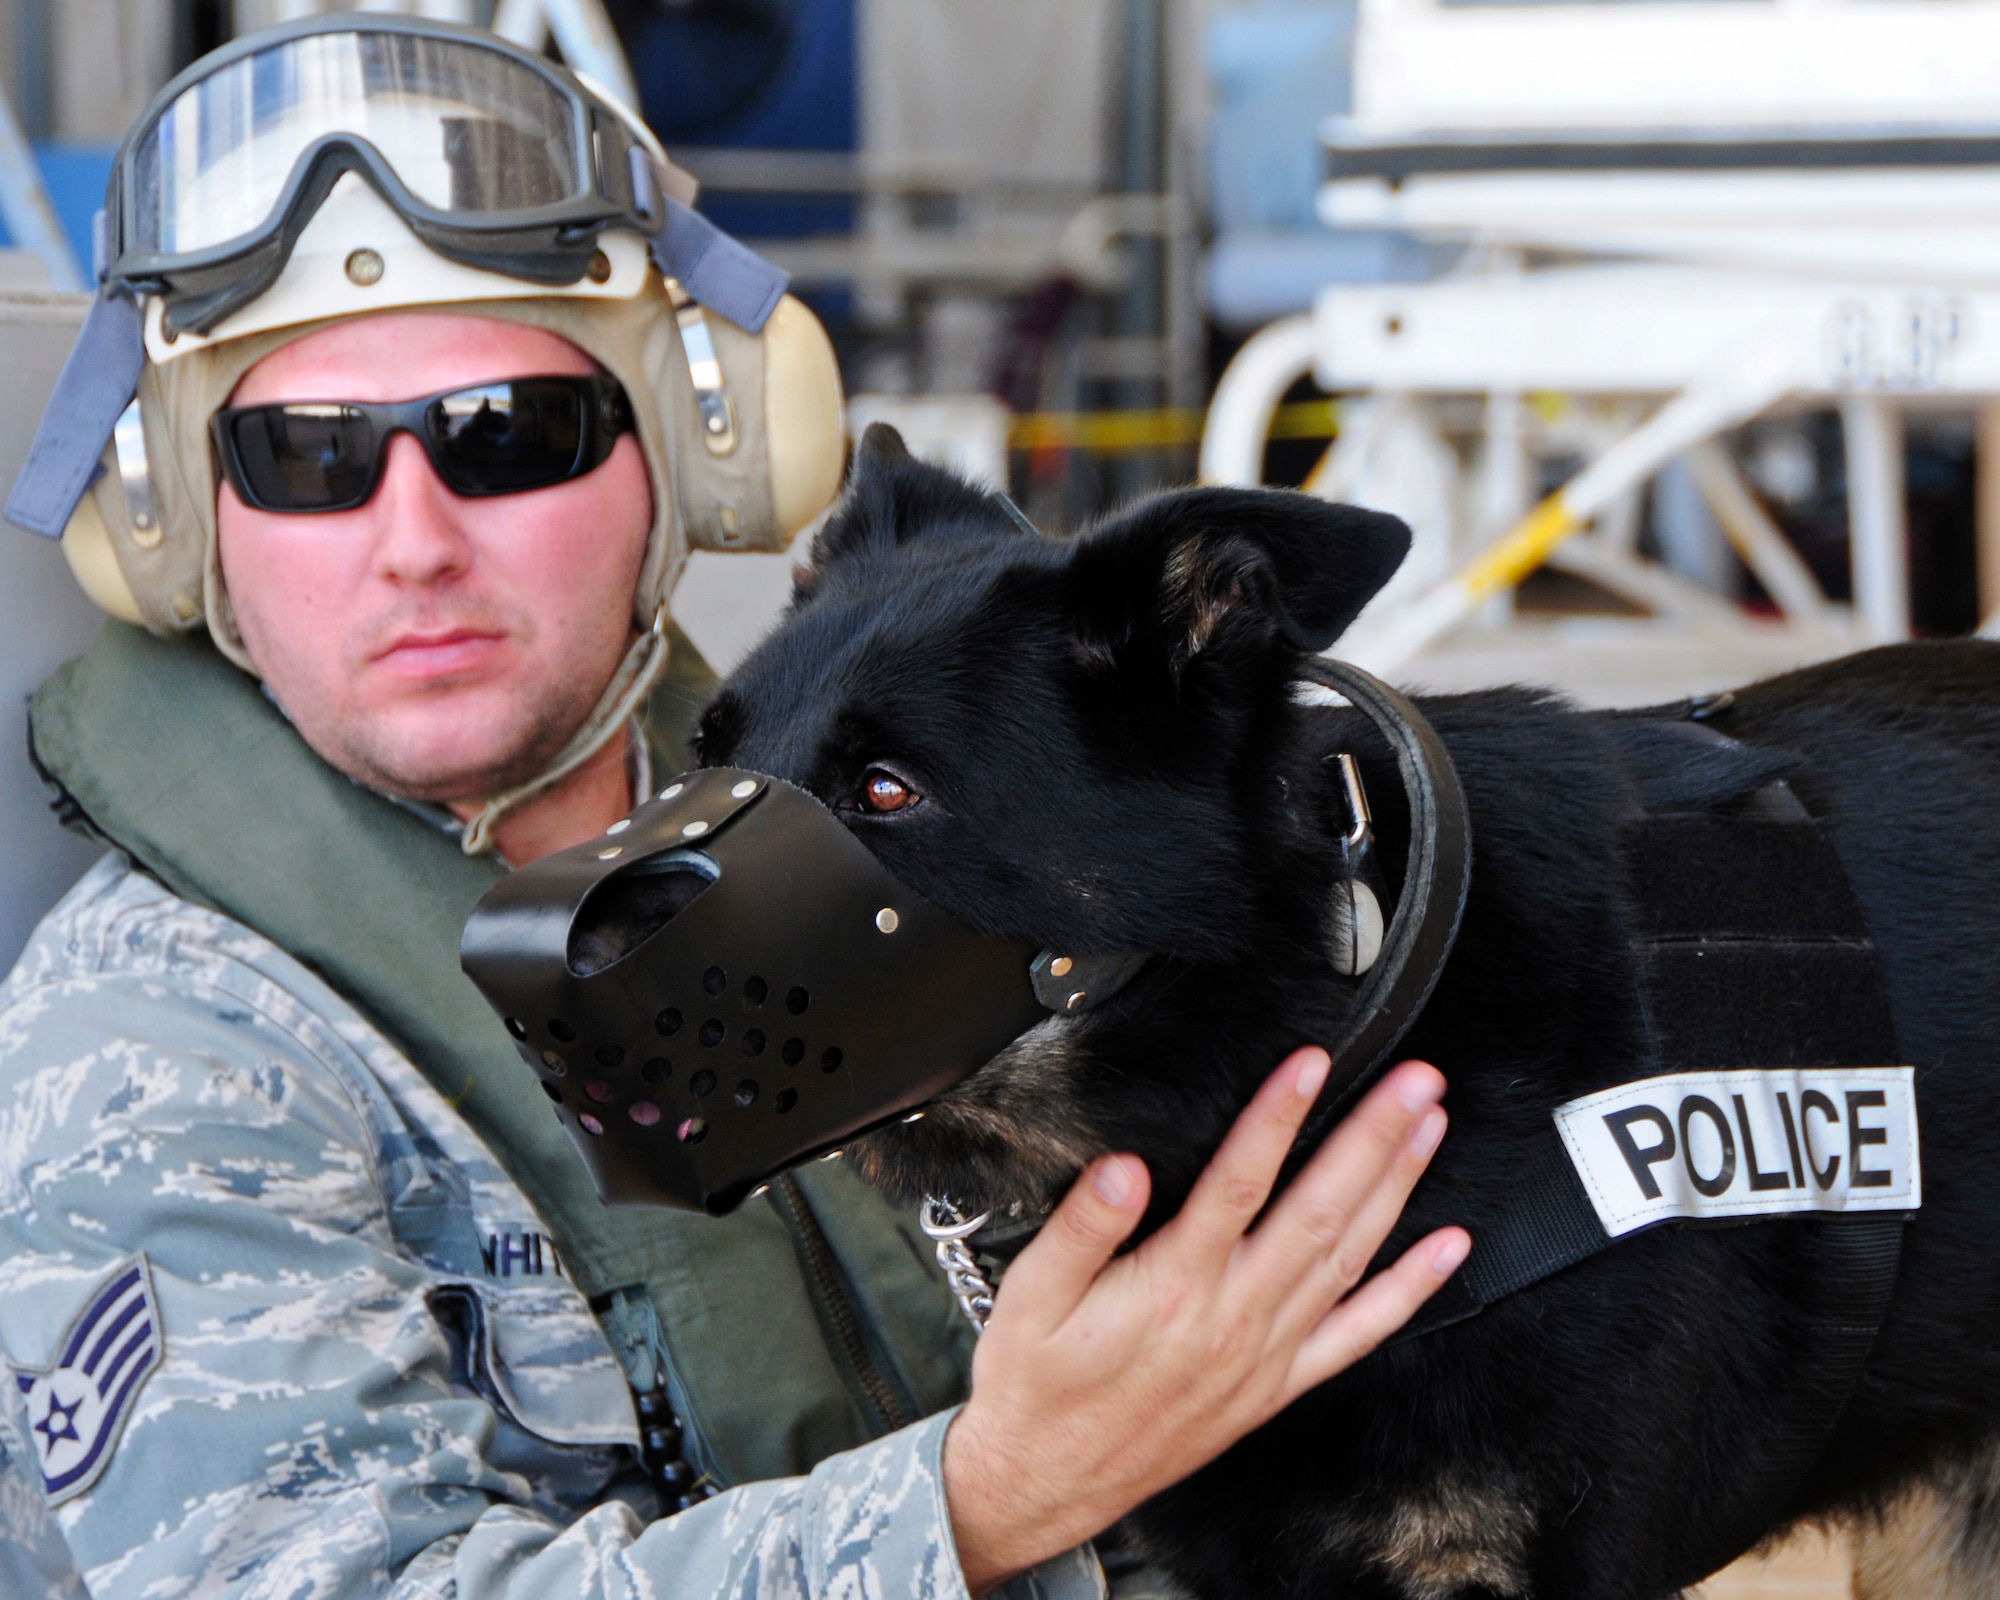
<point>717,271</point>
<point>101,375</point>
<point>97,384</point>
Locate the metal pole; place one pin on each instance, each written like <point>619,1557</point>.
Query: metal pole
<point>24,203</point>
<point>1140,312</point>
<point>1239,416</point>
<point>1759,541</point>
<point>1986,479</point>
<point>582,30</point>
<point>1878,543</point>
<point>1764,372</point>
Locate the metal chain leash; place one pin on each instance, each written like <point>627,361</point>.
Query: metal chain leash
<point>948,1228</point>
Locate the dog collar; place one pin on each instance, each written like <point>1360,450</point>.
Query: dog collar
<point>1396,980</point>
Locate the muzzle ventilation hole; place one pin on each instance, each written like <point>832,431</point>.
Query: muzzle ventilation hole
<point>702,1083</point>
<point>797,999</point>
<point>632,905</point>
<point>712,1032</point>
<point>754,991</point>
<point>668,1022</point>
<point>657,1070</point>
<point>746,1093</point>
<point>561,1031</point>
<point>784,1100</point>
<point>793,1052</point>
<point>830,1059</point>
<point>753,1041</point>
<point>692,1131</point>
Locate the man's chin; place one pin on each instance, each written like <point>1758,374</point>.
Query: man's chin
<point>454,750</point>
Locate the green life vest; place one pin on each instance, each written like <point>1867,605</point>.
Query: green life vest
<point>810,1321</point>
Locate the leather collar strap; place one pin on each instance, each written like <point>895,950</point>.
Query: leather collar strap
<point>1436,879</point>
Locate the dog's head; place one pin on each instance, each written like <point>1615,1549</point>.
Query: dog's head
<point>1065,742</point>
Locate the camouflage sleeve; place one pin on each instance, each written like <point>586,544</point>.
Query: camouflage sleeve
<point>35,1564</point>
<point>868,1523</point>
<point>240,1385</point>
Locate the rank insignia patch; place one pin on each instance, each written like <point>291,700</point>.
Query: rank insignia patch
<point>78,1407</point>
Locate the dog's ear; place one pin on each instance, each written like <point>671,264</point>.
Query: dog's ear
<point>1215,570</point>
<point>893,498</point>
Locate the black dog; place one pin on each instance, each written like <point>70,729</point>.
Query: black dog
<point>1094,745</point>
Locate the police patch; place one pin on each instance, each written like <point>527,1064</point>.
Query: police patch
<point>1713,1145</point>
<point>78,1407</point>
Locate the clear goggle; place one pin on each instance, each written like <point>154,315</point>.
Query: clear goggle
<point>494,157</point>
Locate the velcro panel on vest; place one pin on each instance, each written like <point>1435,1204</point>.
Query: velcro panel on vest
<point>1709,877</point>
<point>1750,952</point>
<point>1720,1003</point>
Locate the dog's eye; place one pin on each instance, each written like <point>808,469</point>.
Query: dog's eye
<point>883,792</point>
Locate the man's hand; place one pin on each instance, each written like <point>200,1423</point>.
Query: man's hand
<point>1100,1382</point>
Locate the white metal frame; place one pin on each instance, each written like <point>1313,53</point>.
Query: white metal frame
<point>1696,299</point>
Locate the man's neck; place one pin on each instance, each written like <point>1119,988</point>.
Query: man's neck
<point>580,807</point>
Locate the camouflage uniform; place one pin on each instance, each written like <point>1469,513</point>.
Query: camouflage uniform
<point>35,1564</point>
<point>348,1390</point>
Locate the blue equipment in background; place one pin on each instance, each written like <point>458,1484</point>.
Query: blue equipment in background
<point>750,75</point>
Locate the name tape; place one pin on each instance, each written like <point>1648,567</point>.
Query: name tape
<point>1747,1144</point>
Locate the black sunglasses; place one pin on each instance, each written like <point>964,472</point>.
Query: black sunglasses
<point>486,439</point>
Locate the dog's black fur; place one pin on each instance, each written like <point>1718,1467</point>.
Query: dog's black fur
<point>1110,759</point>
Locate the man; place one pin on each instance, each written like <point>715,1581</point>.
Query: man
<point>302,1290</point>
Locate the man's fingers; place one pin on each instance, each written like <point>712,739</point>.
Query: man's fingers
<point>1095,1218</point>
<point>1377,1309</point>
<point>1233,1187</point>
<point>1338,1210</point>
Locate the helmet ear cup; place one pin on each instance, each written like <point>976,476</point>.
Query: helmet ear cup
<point>87,547</point>
<point>805,421</point>
<point>760,428</point>
<point>117,541</point>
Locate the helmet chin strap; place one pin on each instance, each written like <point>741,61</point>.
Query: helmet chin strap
<point>622,698</point>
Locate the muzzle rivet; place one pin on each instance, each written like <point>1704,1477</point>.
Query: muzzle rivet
<point>745,789</point>
<point>1060,966</point>
<point>914,1116</point>
<point>364,268</point>
<point>887,920</point>
<point>671,790</point>
<point>694,830</point>
<point>612,854</point>
<point>1075,1002</point>
<point>620,825</point>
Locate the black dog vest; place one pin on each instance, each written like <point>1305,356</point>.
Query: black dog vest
<point>1752,956</point>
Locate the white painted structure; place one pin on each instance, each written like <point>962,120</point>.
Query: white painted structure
<point>1679,217</point>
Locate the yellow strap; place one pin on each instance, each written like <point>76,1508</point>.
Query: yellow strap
<point>1518,552</point>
